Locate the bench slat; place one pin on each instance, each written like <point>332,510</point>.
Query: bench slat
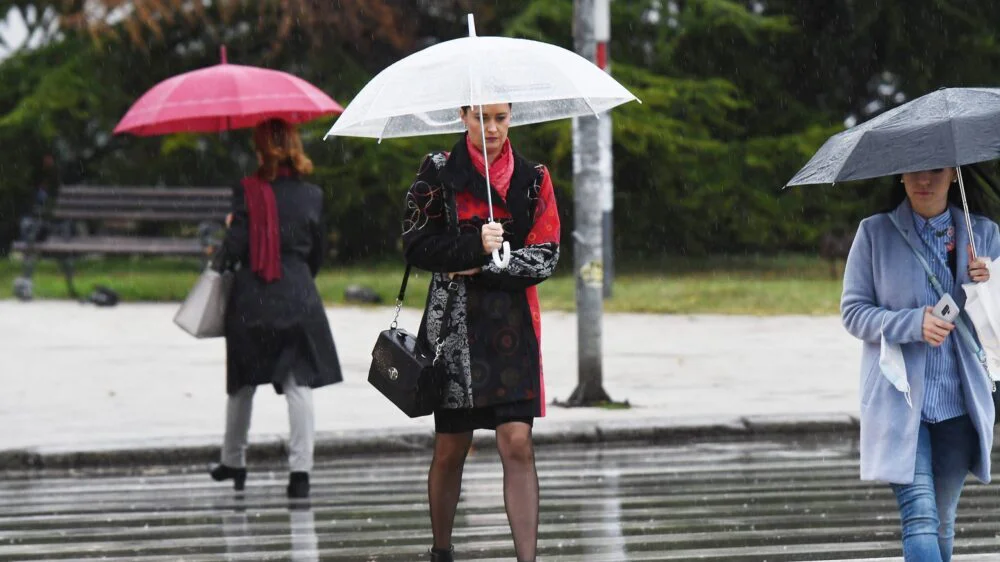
<point>164,192</point>
<point>138,215</point>
<point>139,201</point>
<point>111,205</point>
<point>115,245</point>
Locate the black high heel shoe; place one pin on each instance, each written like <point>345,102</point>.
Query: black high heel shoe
<point>238,476</point>
<point>298,485</point>
<point>439,555</point>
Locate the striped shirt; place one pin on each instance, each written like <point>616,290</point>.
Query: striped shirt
<point>943,398</point>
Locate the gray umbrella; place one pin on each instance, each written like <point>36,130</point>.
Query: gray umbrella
<point>948,128</point>
<point>944,129</point>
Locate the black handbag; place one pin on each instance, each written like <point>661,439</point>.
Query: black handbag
<point>402,369</point>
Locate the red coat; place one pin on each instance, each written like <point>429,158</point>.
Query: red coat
<point>492,349</point>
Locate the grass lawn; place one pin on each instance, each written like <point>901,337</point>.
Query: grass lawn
<point>717,285</point>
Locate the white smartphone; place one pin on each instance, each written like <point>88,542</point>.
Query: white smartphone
<point>946,309</point>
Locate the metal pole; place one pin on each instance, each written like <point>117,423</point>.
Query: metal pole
<point>965,207</point>
<point>602,36</point>
<point>607,204</point>
<point>587,245</point>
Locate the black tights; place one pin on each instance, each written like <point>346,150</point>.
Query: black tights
<point>520,485</point>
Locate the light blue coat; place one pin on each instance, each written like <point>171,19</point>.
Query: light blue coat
<point>883,281</point>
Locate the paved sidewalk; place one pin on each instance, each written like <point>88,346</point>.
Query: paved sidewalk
<point>78,378</point>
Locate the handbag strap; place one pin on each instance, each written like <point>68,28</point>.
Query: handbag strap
<point>402,287</point>
<point>399,298</point>
<point>963,328</point>
<point>449,302</point>
<point>445,320</point>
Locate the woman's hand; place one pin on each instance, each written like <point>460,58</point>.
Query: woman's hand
<point>472,271</point>
<point>492,235</point>
<point>935,329</point>
<point>229,220</point>
<point>978,271</point>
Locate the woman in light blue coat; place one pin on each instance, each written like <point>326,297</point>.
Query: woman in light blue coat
<point>923,442</point>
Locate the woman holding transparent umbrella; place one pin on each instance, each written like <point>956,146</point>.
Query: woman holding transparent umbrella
<point>482,86</point>
<point>491,347</point>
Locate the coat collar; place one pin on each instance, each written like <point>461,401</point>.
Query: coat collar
<point>461,175</point>
<point>904,217</point>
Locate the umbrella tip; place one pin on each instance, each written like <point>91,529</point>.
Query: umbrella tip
<point>472,25</point>
<point>222,54</point>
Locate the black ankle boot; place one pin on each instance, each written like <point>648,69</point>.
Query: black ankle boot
<point>237,475</point>
<point>298,485</point>
<point>439,555</point>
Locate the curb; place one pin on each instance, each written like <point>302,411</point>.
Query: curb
<point>330,445</point>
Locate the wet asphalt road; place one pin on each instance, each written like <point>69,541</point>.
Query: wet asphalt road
<point>733,502</point>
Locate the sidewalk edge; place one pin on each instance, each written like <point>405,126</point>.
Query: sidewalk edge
<point>338,444</point>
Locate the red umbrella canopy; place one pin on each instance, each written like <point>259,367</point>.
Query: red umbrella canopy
<point>224,97</point>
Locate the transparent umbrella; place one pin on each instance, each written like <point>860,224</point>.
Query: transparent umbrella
<point>421,94</point>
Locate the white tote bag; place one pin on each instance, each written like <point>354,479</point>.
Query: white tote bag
<point>203,313</point>
<point>981,304</point>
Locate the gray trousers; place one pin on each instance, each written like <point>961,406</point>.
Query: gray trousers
<point>300,420</point>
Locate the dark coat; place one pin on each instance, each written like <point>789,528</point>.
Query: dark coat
<point>276,328</point>
<point>492,344</point>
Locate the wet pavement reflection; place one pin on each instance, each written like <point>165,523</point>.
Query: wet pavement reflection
<point>733,502</point>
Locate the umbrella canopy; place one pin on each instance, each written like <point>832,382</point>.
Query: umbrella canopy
<point>948,128</point>
<point>421,94</point>
<point>224,97</point>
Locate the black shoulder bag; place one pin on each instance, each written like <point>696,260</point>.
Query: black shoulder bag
<point>406,373</point>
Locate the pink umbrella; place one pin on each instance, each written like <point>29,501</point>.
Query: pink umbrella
<point>224,97</point>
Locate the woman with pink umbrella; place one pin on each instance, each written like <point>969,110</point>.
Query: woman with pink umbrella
<point>275,324</point>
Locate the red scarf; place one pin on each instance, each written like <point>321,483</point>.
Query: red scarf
<point>265,239</point>
<point>501,170</point>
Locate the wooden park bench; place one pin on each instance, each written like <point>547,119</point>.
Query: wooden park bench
<point>116,219</point>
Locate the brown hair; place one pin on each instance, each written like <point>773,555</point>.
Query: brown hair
<point>279,144</point>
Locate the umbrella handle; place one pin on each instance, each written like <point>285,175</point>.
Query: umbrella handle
<point>502,262</point>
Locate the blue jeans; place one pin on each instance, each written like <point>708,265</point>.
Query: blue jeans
<point>927,507</point>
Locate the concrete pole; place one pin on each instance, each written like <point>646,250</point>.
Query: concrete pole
<point>587,243</point>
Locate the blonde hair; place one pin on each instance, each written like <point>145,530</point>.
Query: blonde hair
<point>279,144</point>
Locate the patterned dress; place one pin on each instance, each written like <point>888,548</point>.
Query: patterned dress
<point>492,345</point>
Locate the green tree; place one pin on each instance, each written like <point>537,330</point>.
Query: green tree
<point>737,95</point>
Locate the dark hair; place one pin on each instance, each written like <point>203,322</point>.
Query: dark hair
<point>466,108</point>
<point>981,193</point>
